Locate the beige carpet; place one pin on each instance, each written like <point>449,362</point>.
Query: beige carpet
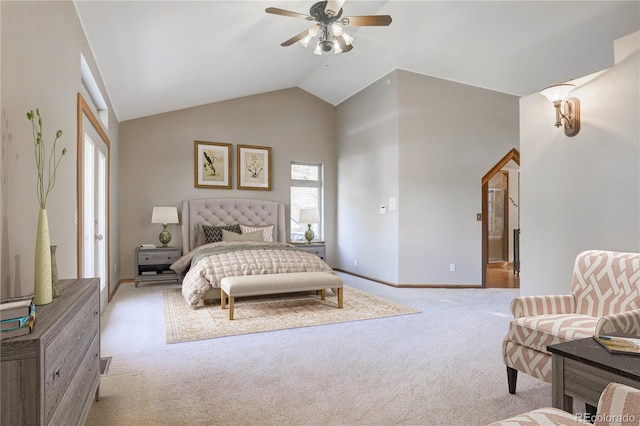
<point>268,313</point>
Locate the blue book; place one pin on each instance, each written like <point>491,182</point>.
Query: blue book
<point>17,322</point>
<point>12,324</point>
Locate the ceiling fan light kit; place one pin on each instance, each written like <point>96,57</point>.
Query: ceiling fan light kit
<point>328,28</point>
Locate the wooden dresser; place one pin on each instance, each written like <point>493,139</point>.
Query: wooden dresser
<point>49,377</point>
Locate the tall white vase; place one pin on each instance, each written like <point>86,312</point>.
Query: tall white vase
<point>42,273</point>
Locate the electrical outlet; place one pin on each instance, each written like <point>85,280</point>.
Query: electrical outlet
<point>452,267</point>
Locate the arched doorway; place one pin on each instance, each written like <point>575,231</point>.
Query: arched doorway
<point>499,220</point>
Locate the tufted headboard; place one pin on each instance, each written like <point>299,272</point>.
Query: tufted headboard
<point>228,211</point>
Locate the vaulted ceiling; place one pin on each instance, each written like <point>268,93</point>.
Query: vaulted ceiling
<point>159,56</point>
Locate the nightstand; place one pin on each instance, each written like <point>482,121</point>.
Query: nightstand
<point>152,264</point>
<point>319,249</point>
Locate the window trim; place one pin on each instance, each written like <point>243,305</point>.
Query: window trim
<point>319,184</point>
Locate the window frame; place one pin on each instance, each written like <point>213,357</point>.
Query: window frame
<point>318,184</point>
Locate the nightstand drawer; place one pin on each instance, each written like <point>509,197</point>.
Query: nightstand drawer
<point>315,248</point>
<point>319,251</point>
<point>163,257</point>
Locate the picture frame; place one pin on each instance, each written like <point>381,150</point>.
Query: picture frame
<point>212,165</point>
<point>254,167</point>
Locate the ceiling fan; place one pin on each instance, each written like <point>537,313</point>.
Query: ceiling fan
<point>329,26</point>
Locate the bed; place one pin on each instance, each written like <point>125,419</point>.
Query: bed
<point>207,260</point>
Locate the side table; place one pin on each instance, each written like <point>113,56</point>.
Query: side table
<point>583,368</point>
<point>152,264</point>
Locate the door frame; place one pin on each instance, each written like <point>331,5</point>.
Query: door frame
<point>82,110</point>
<point>511,155</point>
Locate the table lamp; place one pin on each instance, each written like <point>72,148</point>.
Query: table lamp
<point>309,216</point>
<point>165,216</point>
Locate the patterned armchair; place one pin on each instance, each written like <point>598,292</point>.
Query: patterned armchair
<point>618,405</point>
<point>604,298</point>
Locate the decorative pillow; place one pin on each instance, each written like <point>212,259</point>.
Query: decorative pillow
<point>232,236</point>
<point>267,230</point>
<point>213,234</point>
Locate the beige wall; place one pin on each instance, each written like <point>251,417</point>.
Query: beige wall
<point>157,158</point>
<point>41,47</point>
<point>582,192</point>
<point>368,175</point>
<point>451,135</point>
<point>427,142</point>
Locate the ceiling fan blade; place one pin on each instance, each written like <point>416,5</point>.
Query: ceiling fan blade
<point>343,45</point>
<point>366,21</point>
<point>333,7</point>
<point>297,37</point>
<point>283,12</point>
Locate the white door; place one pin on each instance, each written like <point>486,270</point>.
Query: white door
<point>94,209</point>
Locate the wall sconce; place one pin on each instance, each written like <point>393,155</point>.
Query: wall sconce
<point>556,94</point>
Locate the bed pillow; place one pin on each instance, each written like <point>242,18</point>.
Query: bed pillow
<point>250,236</point>
<point>266,230</point>
<point>213,234</point>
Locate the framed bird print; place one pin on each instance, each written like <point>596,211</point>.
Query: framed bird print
<point>212,165</point>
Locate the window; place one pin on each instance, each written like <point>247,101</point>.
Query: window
<point>306,193</point>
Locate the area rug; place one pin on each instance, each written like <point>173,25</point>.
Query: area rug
<point>269,313</point>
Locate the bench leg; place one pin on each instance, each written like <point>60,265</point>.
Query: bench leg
<point>340,297</point>
<point>223,299</point>
<point>231,307</point>
<point>323,294</point>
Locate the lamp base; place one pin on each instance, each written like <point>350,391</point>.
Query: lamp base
<point>309,235</point>
<point>165,236</point>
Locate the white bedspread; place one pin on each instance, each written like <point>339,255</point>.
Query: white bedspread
<point>208,264</point>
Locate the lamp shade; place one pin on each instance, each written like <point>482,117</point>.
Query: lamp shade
<point>165,215</point>
<point>309,216</point>
<point>557,92</point>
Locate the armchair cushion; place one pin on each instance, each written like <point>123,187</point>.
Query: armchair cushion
<point>540,331</point>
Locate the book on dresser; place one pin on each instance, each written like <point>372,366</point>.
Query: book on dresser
<point>17,307</point>
<point>24,329</point>
<point>13,323</point>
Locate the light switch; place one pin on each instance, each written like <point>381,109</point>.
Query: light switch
<point>392,204</point>
<point>383,209</point>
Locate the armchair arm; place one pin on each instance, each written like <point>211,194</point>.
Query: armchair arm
<point>527,306</point>
<point>623,322</point>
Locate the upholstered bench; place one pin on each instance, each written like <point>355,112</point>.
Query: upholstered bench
<point>258,285</point>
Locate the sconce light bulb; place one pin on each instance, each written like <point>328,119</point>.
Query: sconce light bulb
<point>557,92</point>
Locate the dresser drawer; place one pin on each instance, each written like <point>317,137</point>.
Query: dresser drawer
<point>163,257</point>
<point>64,354</point>
<point>71,409</point>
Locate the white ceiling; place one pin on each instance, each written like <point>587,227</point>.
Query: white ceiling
<point>159,56</point>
